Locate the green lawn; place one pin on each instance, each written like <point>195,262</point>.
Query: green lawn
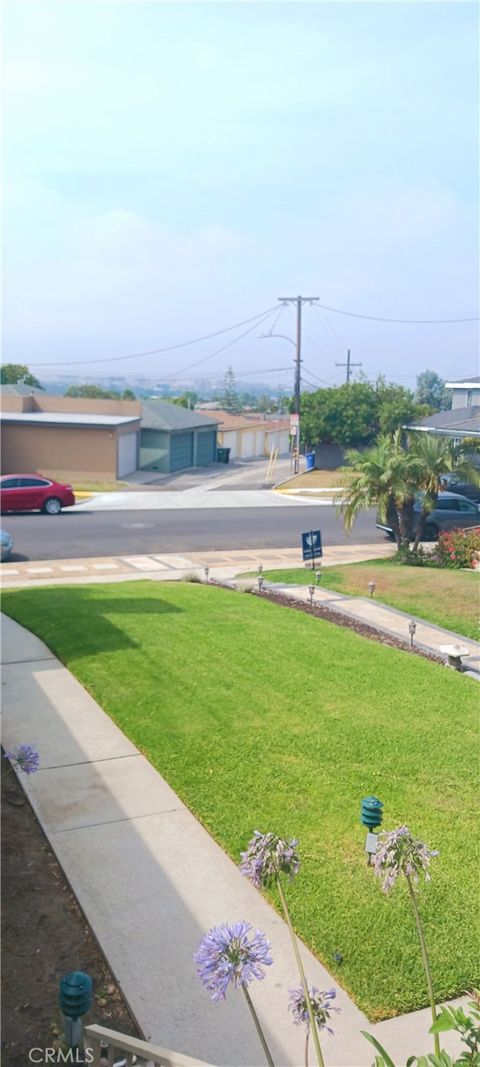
<point>446,597</point>
<point>265,718</point>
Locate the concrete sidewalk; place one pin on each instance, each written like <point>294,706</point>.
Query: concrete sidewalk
<point>222,565</point>
<point>151,881</point>
<point>388,620</point>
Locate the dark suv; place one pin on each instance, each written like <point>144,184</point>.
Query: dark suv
<point>468,489</point>
<point>452,512</point>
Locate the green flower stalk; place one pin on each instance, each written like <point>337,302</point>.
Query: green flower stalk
<point>400,853</point>
<point>265,860</point>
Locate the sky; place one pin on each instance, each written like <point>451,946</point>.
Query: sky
<point>171,169</point>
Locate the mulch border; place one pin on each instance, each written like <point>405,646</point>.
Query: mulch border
<point>337,619</point>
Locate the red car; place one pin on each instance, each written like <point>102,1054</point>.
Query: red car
<point>29,492</point>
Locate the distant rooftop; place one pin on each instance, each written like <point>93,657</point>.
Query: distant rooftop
<point>465,421</point>
<point>161,415</point>
<point>19,389</point>
<point>464,383</point>
<point>229,421</point>
<point>60,418</point>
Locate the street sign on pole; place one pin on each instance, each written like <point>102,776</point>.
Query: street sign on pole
<point>312,545</point>
<point>294,421</point>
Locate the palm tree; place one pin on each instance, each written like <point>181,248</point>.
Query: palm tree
<point>384,477</point>
<point>432,457</point>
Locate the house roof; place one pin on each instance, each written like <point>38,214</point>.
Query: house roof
<point>464,383</point>
<point>229,421</point>
<point>464,421</point>
<point>19,389</point>
<point>62,418</point>
<point>161,415</point>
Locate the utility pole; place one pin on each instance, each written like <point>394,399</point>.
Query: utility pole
<point>298,300</point>
<point>349,366</point>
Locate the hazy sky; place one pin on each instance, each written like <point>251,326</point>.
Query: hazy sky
<point>173,168</point>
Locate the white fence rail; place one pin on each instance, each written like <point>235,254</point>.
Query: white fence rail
<point>110,1047</point>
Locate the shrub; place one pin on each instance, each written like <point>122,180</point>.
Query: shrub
<point>415,557</point>
<point>458,548</point>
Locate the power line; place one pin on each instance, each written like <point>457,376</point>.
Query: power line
<point>217,352</point>
<point>330,331</point>
<point>323,381</point>
<point>308,381</point>
<point>378,318</point>
<point>158,351</point>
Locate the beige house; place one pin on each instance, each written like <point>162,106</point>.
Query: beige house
<point>251,436</point>
<point>69,438</point>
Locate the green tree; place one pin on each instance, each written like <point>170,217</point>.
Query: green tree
<point>128,394</point>
<point>346,415</point>
<point>431,457</point>
<point>381,477</point>
<point>18,374</point>
<point>396,406</point>
<point>392,473</point>
<point>229,396</point>
<point>92,392</point>
<point>354,414</point>
<point>431,390</point>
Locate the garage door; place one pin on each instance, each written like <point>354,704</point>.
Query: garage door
<point>181,451</point>
<point>205,448</point>
<point>248,444</point>
<point>126,454</point>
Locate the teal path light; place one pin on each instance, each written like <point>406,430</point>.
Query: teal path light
<point>371,812</point>
<point>75,998</point>
<point>371,815</point>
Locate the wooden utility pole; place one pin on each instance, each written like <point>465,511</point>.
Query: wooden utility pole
<point>298,300</point>
<point>348,365</point>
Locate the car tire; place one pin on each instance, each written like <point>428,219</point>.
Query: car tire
<point>52,506</point>
<point>430,532</point>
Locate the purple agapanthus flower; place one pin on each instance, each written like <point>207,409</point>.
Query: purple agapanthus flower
<point>24,758</point>
<point>400,853</point>
<point>227,954</point>
<point>266,856</point>
<point>321,1006</point>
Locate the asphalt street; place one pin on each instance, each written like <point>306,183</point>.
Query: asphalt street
<point>81,534</point>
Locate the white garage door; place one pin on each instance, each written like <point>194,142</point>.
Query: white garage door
<point>248,444</point>
<point>126,454</point>
<point>230,441</point>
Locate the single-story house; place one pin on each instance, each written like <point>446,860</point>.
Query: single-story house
<point>73,438</point>
<point>70,446</point>
<point>174,438</point>
<point>463,419</point>
<point>252,436</point>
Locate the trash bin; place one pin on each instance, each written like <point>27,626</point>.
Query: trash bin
<point>223,455</point>
<point>309,461</point>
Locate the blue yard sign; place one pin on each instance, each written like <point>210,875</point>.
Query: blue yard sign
<point>312,544</point>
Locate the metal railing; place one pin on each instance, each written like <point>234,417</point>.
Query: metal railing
<point>110,1047</point>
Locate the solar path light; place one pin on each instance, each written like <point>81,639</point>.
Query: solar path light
<point>207,572</point>
<point>75,998</point>
<point>311,593</point>
<point>371,815</point>
<point>412,626</point>
<point>318,576</point>
<point>371,588</point>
